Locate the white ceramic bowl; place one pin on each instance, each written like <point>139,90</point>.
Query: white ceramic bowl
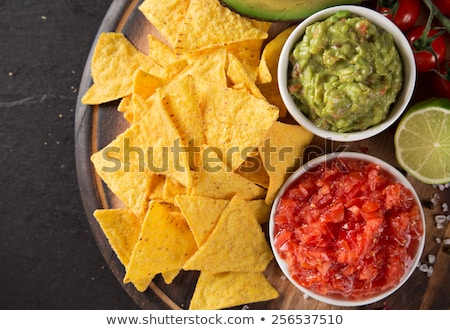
<point>337,300</point>
<point>403,97</point>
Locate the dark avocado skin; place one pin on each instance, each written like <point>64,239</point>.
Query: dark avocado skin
<point>296,12</point>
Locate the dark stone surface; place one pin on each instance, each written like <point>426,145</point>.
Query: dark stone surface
<point>48,256</point>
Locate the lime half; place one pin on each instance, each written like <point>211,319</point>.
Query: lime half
<point>422,141</point>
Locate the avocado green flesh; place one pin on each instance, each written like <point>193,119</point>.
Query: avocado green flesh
<point>281,10</point>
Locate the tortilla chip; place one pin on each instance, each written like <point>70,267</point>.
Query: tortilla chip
<point>282,152</point>
<point>259,209</point>
<point>114,63</point>
<point>223,290</point>
<point>201,213</point>
<point>167,16</point>
<point>141,106</point>
<point>157,136</point>
<point>239,126</point>
<point>221,183</point>
<point>145,84</point>
<point>238,75</point>
<point>267,71</point>
<point>121,227</point>
<point>171,189</point>
<point>170,275</point>
<point>208,68</point>
<point>126,108</point>
<point>183,106</point>
<point>157,187</point>
<point>209,24</point>
<point>247,52</point>
<point>236,244</point>
<point>165,243</point>
<point>124,173</point>
<point>159,51</point>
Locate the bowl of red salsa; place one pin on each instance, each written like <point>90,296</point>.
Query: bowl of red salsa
<point>347,229</point>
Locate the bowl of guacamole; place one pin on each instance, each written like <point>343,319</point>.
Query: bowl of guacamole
<point>346,73</point>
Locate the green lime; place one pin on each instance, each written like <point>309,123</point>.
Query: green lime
<point>422,141</point>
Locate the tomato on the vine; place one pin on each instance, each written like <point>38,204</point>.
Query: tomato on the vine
<point>441,81</point>
<point>403,13</point>
<point>423,56</point>
<point>443,6</point>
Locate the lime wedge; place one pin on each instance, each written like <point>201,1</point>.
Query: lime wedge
<point>422,141</point>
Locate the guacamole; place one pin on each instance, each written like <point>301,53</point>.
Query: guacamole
<point>346,73</point>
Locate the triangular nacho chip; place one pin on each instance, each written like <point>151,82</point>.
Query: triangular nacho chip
<point>162,144</point>
<point>236,121</point>
<point>167,16</point>
<point>114,63</point>
<point>121,227</point>
<point>208,24</point>
<point>124,173</point>
<point>201,213</point>
<point>221,183</point>
<point>282,152</point>
<point>237,244</point>
<point>223,290</point>
<point>165,243</point>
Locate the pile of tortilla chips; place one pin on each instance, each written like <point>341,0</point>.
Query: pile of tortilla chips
<point>198,167</point>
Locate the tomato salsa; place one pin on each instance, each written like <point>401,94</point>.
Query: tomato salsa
<point>347,228</point>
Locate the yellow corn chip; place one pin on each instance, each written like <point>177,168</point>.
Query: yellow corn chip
<point>165,243</point>
<point>124,173</point>
<point>183,106</point>
<point>145,84</point>
<point>247,52</point>
<point>121,227</point>
<point>257,208</point>
<point>223,290</point>
<point>267,71</point>
<point>236,121</point>
<point>173,69</point>
<point>236,244</point>
<point>171,189</point>
<point>208,68</point>
<point>201,213</point>
<point>209,24</point>
<point>114,63</point>
<point>162,144</point>
<point>170,275</point>
<point>282,152</point>
<point>220,183</point>
<point>126,108</point>
<point>167,16</point>
<point>141,106</point>
<point>159,51</point>
<point>157,188</point>
<point>238,74</point>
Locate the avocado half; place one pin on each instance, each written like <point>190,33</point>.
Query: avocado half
<point>281,10</point>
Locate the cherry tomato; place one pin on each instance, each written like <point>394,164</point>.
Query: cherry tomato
<point>403,13</point>
<point>441,83</point>
<point>443,6</point>
<point>426,60</point>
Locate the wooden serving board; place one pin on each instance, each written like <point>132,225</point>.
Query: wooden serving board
<point>96,126</point>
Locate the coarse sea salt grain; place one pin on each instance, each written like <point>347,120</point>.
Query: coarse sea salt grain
<point>440,218</point>
<point>423,268</point>
<point>431,258</point>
